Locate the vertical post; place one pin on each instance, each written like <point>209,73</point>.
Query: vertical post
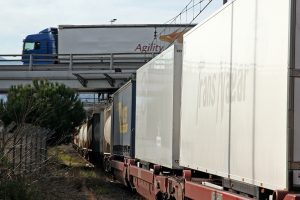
<point>94,101</point>
<point>30,62</point>
<point>111,61</point>
<point>45,145</point>
<point>21,154</point>
<point>41,150</point>
<point>36,151</point>
<point>31,154</point>
<point>3,136</point>
<point>25,152</point>
<point>71,62</point>
<point>14,153</point>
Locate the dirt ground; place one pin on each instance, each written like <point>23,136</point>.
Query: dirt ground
<point>69,176</point>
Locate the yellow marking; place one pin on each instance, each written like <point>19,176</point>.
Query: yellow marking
<point>123,123</point>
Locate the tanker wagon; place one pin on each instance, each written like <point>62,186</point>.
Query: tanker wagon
<point>106,139</point>
<point>99,145</point>
<point>82,139</point>
<point>92,139</point>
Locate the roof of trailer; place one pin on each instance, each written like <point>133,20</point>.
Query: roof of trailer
<point>124,26</point>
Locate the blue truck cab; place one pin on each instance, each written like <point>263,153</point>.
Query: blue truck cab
<point>45,42</point>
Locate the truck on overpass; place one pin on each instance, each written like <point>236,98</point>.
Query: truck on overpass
<point>53,45</point>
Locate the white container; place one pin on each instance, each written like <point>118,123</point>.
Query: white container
<point>234,94</point>
<point>158,109</point>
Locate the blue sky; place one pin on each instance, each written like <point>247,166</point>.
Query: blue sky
<point>20,18</point>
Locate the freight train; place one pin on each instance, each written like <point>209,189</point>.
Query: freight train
<point>217,117</point>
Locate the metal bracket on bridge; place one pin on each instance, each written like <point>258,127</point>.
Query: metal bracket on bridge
<point>81,80</point>
<point>110,80</point>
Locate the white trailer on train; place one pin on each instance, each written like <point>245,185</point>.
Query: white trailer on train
<point>240,94</point>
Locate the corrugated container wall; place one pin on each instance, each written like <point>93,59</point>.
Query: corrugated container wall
<point>234,93</point>
<point>123,120</point>
<point>158,108</point>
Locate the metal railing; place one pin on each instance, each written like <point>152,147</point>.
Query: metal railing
<point>70,60</point>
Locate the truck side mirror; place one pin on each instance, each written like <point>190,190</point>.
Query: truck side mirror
<point>37,45</point>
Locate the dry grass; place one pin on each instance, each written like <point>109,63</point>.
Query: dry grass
<point>69,176</point>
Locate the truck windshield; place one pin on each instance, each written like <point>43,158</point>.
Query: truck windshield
<point>31,46</point>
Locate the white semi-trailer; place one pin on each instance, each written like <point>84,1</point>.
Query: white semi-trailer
<point>158,109</point>
<point>129,38</point>
<point>240,94</point>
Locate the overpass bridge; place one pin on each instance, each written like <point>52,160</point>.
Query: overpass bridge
<point>82,72</point>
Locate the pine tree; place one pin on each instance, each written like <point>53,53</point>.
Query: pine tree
<point>45,104</point>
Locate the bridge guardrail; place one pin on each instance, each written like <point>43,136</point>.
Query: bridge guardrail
<point>110,59</point>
